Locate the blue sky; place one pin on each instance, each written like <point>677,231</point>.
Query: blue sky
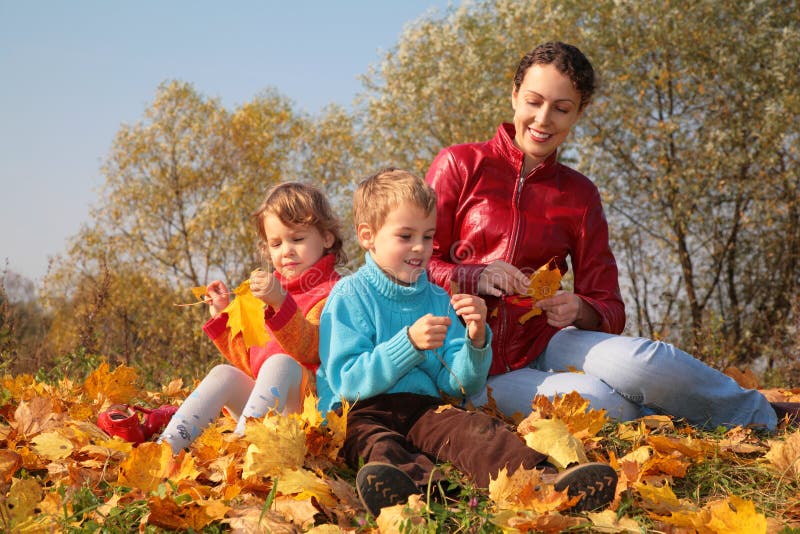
<point>74,71</point>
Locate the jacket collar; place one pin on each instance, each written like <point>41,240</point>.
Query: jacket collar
<point>505,142</point>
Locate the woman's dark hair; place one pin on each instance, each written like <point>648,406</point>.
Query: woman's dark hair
<point>568,59</point>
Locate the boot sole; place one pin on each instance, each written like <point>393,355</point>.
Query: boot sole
<point>380,485</point>
<point>595,483</point>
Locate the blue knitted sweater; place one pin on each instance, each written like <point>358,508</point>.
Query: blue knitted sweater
<point>365,349</point>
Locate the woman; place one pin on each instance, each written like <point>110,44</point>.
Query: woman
<point>505,207</point>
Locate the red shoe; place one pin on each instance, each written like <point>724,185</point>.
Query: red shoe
<point>120,421</point>
<point>156,420</point>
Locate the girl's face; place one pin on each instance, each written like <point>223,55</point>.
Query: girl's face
<point>294,248</point>
<point>546,105</point>
<point>403,246</point>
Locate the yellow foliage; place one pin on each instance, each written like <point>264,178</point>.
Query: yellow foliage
<point>246,317</point>
<point>552,437</point>
<point>115,387</point>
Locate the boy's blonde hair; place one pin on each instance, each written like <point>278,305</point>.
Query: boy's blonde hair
<point>296,203</point>
<point>387,189</point>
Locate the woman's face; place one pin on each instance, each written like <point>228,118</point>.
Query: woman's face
<point>546,105</point>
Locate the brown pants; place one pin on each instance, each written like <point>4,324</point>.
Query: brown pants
<point>413,431</point>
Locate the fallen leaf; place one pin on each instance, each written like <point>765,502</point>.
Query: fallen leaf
<point>785,455</point>
<point>276,443</point>
<point>52,445</point>
<point>115,387</point>
<point>524,490</point>
<point>553,438</point>
<point>747,378</point>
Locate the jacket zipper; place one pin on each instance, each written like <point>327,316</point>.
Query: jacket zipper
<point>510,258</point>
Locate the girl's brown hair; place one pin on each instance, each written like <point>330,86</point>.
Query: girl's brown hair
<point>296,203</point>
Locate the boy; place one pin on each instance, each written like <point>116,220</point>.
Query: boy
<point>391,343</point>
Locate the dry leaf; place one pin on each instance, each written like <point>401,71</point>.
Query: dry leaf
<point>524,490</point>
<point>52,446</point>
<point>552,437</point>
<point>785,455</point>
<point>544,283</point>
<point>115,387</point>
<point>747,378</point>
<point>276,443</point>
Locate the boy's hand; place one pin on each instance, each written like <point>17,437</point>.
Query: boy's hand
<point>472,309</point>
<point>265,286</point>
<point>218,297</point>
<point>428,332</point>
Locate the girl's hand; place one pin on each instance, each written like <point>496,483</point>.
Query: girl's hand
<point>218,297</point>
<point>428,332</point>
<point>266,287</point>
<point>500,278</point>
<point>565,309</point>
<point>472,309</point>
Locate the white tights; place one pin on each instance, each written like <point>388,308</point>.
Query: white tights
<point>277,386</point>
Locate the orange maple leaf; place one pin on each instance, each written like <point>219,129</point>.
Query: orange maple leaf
<point>116,387</point>
<point>544,282</point>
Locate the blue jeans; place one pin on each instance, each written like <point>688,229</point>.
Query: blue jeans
<point>630,377</point>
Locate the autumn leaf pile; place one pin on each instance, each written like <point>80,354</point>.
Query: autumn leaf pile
<point>285,475</point>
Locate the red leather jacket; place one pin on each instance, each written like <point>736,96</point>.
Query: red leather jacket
<point>487,211</point>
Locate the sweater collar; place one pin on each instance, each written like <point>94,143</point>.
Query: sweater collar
<point>505,137</point>
<point>316,274</point>
<point>388,287</point>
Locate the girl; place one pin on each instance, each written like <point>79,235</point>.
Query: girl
<point>300,238</point>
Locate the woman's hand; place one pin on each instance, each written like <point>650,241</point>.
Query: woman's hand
<point>218,299</point>
<point>266,287</point>
<point>472,309</point>
<point>566,309</point>
<point>500,278</point>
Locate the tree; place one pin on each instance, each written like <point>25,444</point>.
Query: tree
<point>692,139</point>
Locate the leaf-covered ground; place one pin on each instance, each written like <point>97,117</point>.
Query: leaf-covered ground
<point>60,472</point>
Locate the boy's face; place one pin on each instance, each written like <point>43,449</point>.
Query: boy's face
<point>403,246</point>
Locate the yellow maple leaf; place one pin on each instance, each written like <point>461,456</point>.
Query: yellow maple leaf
<point>607,521</point>
<point>304,484</point>
<point>736,515</point>
<point>660,500</point>
<point>553,438</point>
<point>112,387</point>
<point>21,502</point>
<point>246,316</point>
<point>52,445</point>
<point>403,517</point>
<point>199,292</point>
<point>276,443</point>
<point>150,464</point>
<point>337,424</point>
